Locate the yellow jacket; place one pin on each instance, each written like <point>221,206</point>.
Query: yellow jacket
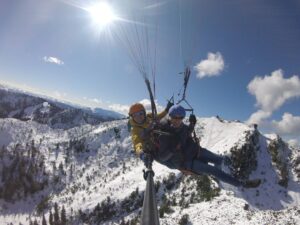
<point>137,130</point>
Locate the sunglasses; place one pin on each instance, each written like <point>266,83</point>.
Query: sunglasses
<point>177,118</point>
<point>139,113</point>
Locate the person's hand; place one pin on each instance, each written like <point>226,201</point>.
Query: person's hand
<point>169,105</point>
<point>146,158</point>
<point>192,119</point>
<point>139,148</point>
<point>142,156</point>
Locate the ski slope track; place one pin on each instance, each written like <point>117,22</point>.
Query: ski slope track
<point>89,164</point>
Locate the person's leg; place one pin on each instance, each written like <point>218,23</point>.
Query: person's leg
<point>190,150</point>
<point>208,156</point>
<point>199,167</point>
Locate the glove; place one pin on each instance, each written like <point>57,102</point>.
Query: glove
<point>169,105</point>
<point>139,148</point>
<point>192,119</point>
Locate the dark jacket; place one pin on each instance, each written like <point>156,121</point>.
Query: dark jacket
<point>176,146</point>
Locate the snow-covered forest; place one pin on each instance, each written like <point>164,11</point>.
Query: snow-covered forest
<point>62,165</point>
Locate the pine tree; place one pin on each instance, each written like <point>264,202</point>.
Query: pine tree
<point>61,169</point>
<point>63,216</point>
<point>2,151</point>
<point>71,171</point>
<point>35,222</point>
<point>44,222</point>
<point>56,214</point>
<point>33,149</point>
<point>51,218</point>
<point>123,222</point>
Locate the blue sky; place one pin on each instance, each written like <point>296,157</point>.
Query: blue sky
<point>244,55</point>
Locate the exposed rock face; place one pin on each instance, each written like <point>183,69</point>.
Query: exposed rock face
<point>280,154</point>
<point>244,157</point>
<point>296,162</point>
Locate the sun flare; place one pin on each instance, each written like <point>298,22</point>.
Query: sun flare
<point>102,14</point>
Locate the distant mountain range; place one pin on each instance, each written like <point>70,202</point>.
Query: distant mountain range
<point>26,106</point>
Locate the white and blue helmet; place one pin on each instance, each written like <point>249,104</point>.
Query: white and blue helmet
<point>177,110</point>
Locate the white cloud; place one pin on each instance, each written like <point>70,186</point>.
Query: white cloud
<point>273,91</point>
<point>156,5</point>
<point>258,117</point>
<point>289,125</point>
<point>212,66</point>
<point>93,102</point>
<point>123,109</point>
<point>96,100</point>
<point>147,105</point>
<point>59,95</point>
<point>50,59</point>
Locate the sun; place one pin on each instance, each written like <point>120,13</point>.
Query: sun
<point>102,14</point>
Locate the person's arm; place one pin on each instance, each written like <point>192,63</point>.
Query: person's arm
<point>165,112</point>
<point>193,121</point>
<point>184,134</point>
<point>137,140</point>
<point>162,114</point>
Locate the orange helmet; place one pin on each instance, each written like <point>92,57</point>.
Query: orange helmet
<point>136,108</point>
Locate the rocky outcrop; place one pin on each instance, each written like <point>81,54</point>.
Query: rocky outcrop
<point>280,154</point>
<point>244,156</point>
<point>296,162</point>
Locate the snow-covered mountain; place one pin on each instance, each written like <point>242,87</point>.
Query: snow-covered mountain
<point>25,106</point>
<point>88,175</point>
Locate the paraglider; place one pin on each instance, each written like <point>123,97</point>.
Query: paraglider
<point>153,139</point>
<point>170,143</point>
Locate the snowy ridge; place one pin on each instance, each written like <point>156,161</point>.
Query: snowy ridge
<point>107,114</point>
<point>94,162</point>
<point>25,106</point>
